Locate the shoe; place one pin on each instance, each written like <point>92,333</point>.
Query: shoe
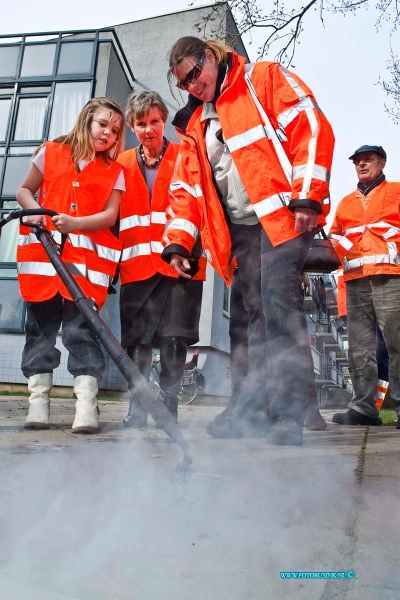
<point>353,417</point>
<point>86,407</point>
<point>39,402</point>
<point>313,420</point>
<point>227,412</point>
<point>137,414</point>
<point>237,427</point>
<point>285,431</point>
<point>398,422</point>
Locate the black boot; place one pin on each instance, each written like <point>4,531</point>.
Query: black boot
<point>137,414</point>
<point>240,425</point>
<point>172,358</point>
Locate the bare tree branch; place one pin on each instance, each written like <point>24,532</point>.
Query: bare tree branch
<point>284,26</point>
<point>392,87</point>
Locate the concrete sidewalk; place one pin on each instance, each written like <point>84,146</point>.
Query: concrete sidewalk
<point>100,517</point>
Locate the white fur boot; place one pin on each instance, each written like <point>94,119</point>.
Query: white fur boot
<point>39,402</point>
<point>86,408</point>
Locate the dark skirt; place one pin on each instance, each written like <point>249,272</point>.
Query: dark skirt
<point>160,307</point>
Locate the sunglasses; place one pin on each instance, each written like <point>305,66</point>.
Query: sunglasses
<point>193,74</point>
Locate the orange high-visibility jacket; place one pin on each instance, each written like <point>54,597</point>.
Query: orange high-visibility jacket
<point>92,256</point>
<point>368,239</point>
<point>142,220</point>
<point>308,141</point>
<point>341,294</point>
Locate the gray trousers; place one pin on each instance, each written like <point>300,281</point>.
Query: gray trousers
<point>371,301</point>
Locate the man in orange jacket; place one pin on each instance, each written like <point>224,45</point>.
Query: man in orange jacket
<point>366,234</point>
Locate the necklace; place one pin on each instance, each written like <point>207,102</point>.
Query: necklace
<point>156,161</point>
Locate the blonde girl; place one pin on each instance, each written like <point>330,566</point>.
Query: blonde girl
<point>76,176</point>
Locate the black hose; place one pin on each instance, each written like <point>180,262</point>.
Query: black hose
<point>149,394</point>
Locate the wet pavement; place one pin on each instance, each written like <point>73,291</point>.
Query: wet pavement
<point>101,516</point>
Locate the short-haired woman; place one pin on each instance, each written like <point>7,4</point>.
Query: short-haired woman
<point>156,310</point>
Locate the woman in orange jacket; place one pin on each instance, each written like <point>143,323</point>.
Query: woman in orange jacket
<point>156,310</point>
<point>78,178</point>
<point>230,190</point>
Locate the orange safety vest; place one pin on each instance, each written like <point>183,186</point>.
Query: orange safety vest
<point>308,141</point>
<point>367,238</point>
<point>92,256</point>
<point>142,220</point>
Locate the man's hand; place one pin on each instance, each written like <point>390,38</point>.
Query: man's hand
<point>181,265</point>
<point>306,219</point>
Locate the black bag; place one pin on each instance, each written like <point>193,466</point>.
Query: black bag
<point>322,257</point>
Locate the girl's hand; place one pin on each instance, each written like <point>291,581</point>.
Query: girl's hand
<point>36,219</point>
<point>65,223</point>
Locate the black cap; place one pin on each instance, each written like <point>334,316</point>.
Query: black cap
<point>377,149</point>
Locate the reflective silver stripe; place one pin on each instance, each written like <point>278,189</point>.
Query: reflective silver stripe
<point>380,395</point>
<point>178,184</point>
<point>326,201</point>
<point>31,238</point>
<point>334,236</point>
<point>312,150</point>
<point>157,247</point>
<point>292,82</point>
<point>318,172</point>
<point>383,383</point>
<point>312,144</point>
<point>246,138</point>
<point>134,251</point>
<point>351,230</point>
<point>387,259</point>
<point>93,276</point>
<point>47,270</point>
<point>392,248</point>
<point>170,212</point>
<point>182,225</point>
<point>269,205</point>
<point>83,241</point>
<point>380,224</point>
<point>134,221</point>
<point>36,268</point>
<point>285,118</point>
<point>207,254</point>
<point>340,272</point>
<point>345,242</point>
<point>391,232</point>
<point>158,217</point>
<point>248,68</point>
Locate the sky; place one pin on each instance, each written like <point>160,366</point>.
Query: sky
<point>341,61</point>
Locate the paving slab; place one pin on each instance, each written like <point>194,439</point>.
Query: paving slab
<point>101,517</point>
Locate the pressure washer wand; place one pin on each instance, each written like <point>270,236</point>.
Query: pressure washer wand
<point>149,394</point>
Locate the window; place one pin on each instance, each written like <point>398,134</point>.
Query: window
<point>5,104</point>
<point>226,307</point>
<point>8,241</point>
<point>75,58</point>
<point>16,169</point>
<point>38,60</point>
<point>30,119</point>
<point>69,98</point>
<point>12,308</point>
<point>9,60</point>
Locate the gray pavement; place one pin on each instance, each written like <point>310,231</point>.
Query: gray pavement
<point>101,517</point>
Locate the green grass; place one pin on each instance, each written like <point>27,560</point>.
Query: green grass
<point>388,416</point>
